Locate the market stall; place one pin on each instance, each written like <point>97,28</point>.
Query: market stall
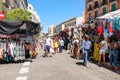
<point>105,25</point>
<point>13,34</point>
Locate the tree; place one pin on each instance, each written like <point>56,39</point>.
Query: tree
<point>18,14</point>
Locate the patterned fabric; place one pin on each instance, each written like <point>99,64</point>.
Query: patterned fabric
<point>115,23</point>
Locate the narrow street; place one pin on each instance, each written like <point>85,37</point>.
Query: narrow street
<point>90,29</point>
<point>58,67</point>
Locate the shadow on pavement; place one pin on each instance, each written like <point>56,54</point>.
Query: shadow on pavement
<point>14,62</point>
<point>80,63</point>
<point>107,66</point>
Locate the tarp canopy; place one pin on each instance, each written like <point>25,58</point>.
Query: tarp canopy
<point>110,15</point>
<point>9,27</point>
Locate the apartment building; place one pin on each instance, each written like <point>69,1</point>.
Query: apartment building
<point>5,5</point>
<point>68,24</point>
<point>95,8</point>
<point>58,28</point>
<point>34,17</point>
<point>51,30</point>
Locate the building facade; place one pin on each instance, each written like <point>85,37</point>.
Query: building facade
<point>96,8</point>
<point>73,22</point>
<point>68,24</point>
<point>22,4</point>
<point>58,28</point>
<point>34,17</point>
<point>51,30</point>
<point>5,5</point>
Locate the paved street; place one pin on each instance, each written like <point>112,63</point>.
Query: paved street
<point>58,67</point>
<point>9,71</point>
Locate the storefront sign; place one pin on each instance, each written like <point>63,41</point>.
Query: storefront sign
<point>2,15</point>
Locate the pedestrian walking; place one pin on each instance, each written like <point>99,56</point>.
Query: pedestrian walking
<point>55,43</point>
<point>52,47</point>
<point>61,45</point>
<point>47,46</point>
<point>103,47</point>
<point>86,45</point>
<point>76,47</point>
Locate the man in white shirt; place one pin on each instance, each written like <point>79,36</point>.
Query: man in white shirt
<point>47,46</point>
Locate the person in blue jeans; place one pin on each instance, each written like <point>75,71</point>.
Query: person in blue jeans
<point>61,45</point>
<point>86,45</point>
<point>113,54</point>
<point>47,46</point>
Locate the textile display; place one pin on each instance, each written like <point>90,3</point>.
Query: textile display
<point>106,27</point>
<point>100,30</point>
<point>13,51</point>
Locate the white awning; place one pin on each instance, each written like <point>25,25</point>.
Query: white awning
<point>110,15</point>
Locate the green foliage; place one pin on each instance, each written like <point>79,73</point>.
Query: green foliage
<point>18,14</point>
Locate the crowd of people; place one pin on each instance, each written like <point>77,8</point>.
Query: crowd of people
<point>53,45</point>
<point>86,47</point>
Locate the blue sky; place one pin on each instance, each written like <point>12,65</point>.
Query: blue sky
<point>57,11</point>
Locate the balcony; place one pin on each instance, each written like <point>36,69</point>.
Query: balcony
<point>104,2</point>
<point>89,1</point>
<point>96,5</point>
<point>112,0</point>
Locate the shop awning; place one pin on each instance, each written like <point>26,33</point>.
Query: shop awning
<point>9,27</point>
<point>110,15</point>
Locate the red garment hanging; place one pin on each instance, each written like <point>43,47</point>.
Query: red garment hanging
<point>110,28</point>
<point>100,30</point>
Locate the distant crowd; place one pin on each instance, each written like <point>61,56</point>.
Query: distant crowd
<point>96,47</point>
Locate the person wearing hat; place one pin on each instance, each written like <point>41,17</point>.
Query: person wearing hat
<point>86,45</point>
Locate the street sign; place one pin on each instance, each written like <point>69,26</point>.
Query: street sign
<point>2,15</point>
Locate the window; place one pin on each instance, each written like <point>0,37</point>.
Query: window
<point>96,13</point>
<point>90,8</point>
<point>113,7</point>
<point>30,17</point>
<point>104,10</point>
<point>96,4</point>
<point>89,15</point>
<point>30,8</point>
<point>104,2</point>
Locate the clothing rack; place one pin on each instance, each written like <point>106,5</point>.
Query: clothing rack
<point>11,50</point>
